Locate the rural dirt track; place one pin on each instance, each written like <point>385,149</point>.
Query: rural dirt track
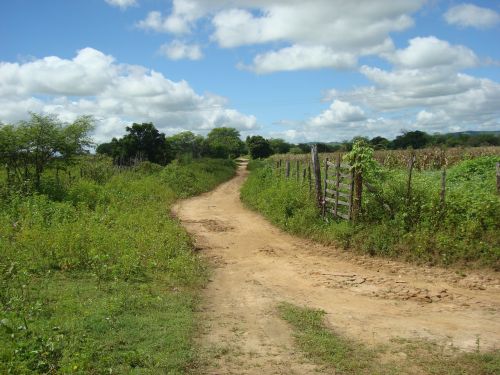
<point>257,266</point>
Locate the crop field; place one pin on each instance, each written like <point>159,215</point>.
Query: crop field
<point>425,159</point>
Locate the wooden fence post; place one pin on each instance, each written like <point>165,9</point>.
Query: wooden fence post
<point>287,171</point>
<point>304,172</point>
<point>279,169</point>
<point>337,186</point>
<point>297,167</point>
<point>317,174</point>
<point>323,208</point>
<point>358,193</point>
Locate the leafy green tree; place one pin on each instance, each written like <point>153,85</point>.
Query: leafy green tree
<point>224,143</point>
<point>414,139</point>
<point>186,143</point>
<point>305,147</point>
<point>29,147</point>
<point>296,150</point>
<point>258,147</point>
<point>105,149</point>
<point>142,142</point>
<point>379,143</point>
<point>279,146</point>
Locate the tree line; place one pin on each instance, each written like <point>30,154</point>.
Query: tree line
<point>29,147</point>
<point>259,147</point>
<point>144,142</point>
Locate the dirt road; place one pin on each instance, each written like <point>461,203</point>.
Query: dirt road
<point>258,266</point>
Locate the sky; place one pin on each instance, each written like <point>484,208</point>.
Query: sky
<point>304,71</point>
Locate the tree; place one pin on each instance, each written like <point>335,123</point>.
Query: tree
<point>224,143</point>
<point>296,150</point>
<point>279,146</point>
<point>105,149</point>
<point>143,142</point>
<point>415,139</point>
<point>186,143</point>
<point>258,147</point>
<point>379,143</point>
<point>29,147</point>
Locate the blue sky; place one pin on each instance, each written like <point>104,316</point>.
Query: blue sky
<point>321,70</point>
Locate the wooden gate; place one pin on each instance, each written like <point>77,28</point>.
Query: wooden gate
<point>338,189</point>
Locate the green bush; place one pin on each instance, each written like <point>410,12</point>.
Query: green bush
<point>86,192</point>
<point>105,279</point>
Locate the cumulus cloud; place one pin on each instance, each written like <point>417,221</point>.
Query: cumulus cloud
<point>177,50</point>
<point>156,22</point>
<point>299,57</point>
<point>426,52</point>
<point>184,14</point>
<point>123,4</point>
<point>340,112</point>
<point>469,15</point>
<point>317,33</point>
<point>425,89</point>
<point>115,94</point>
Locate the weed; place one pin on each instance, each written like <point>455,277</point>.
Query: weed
<point>344,356</point>
<point>102,279</point>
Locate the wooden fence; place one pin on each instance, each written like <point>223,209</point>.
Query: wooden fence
<point>339,191</point>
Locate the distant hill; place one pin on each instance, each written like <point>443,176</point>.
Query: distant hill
<point>475,132</point>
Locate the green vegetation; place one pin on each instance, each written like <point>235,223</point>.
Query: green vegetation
<point>145,142</point>
<point>323,346</point>
<point>408,139</point>
<point>142,142</point>
<point>393,223</point>
<point>32,146</point>
<point>345,356</point>
<point>95,275</point>
<point>258,147</point>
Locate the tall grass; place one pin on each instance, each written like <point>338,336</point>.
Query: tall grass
<point>101,278</point>
<point>466,230</point>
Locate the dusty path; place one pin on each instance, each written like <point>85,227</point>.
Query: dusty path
<point>258,266</point>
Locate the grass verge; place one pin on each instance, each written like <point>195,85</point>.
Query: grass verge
<point>102,280</point>
<point>340,355</point>
<point>464,231</point>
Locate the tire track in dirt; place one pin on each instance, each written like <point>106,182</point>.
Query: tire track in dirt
<point>373,300</point>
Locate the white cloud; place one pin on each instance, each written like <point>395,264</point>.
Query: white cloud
<point>426,52</point>
<point>299,57</point>
<point>123,4</point>
<point>55,76</point>
<point>339,112</point>
<point>469,15</point>
<point>184,14</point>
<point>177,50</point>
<point>424,90</point>
<point>116,94</point>
<point>341,25</point>
<point>156,22</point>
<point>333,32</point>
